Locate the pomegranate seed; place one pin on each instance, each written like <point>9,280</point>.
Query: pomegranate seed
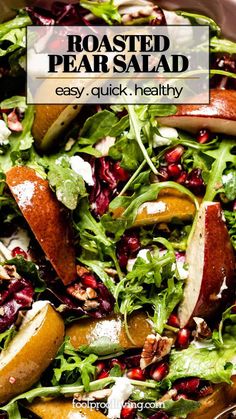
<point>174,170</point>
<point>163,174</point>
<point>123,260</point>
<point>180,396</point>
<point>103,374</point>
<point>206,390</point>
<point>187,385</point>
<point>183,338</point>
<point>159,415</point>
<point>175,154</point>
<point>89,281</point>
<point>128,411</point>
<point>159,371</point>
<point>18,251</point>
<point>116,361</point>
<point>203,136</point>
<point>195,181</point>
<point>182,178</point>
<point>173,320</point>
<point>136,374</point>
<point>100,366</point>
<point>121,173</point>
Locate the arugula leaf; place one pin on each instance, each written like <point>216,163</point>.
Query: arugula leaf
<point>13,33</point>
<point>231,223</point>
<point>222,155</point>
<point>100,347</point>
<point>28,270</point>
<point>20,143</point>
<point>116,371</point>
<point>6,337</point>
<point>180,408</point>
<point>93,238</point>
<point>201,19</point>
<point>106,10</point>
<point>127,151</point>
<point>14,102</point>
<point>229,183</point>
<point>165,302</point>
<point>68,184</point>
<point>222,45</point>
<point>68,367</point>
<point>152,284</point>
<point>97,126</point>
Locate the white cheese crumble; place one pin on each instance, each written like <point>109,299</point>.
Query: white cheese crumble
<point>4,132</point>
<point>105,144</point>
<point>24,192</point>
<point>82,168</point>
<point>164,137</point>
<point>152,207</point>
<point>119,394</point>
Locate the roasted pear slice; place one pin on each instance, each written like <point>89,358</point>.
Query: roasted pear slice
<point>46,218</point>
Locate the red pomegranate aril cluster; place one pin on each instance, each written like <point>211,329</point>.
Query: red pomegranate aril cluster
<point>173,320</point>
<point>183,338</point>
<point>100,365</point>
<point>127,247</point>
<point>18,251</point>
<point>187,385</point>
<point>174,170</point>
<point>159,371</point>
<point>174,154</point>
<point>89,281</point>
<point>128,412</point>
<point>136,374</point>
<point>116,361</point>
<point>203,136</point>
<point>195,182</point>
<point>103,374</point>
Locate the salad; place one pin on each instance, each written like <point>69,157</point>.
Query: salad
<point>117,240</point>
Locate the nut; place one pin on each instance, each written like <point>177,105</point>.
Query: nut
<point>154,349</point>
<point>202,329</point>
<point>8,272</point>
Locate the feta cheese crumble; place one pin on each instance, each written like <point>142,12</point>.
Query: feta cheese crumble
<point>164,137</point>
<point>82,168</point>
<point>4,132</point>
<point>119,394</point>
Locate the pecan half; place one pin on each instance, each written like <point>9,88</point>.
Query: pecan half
<point>154,349</point>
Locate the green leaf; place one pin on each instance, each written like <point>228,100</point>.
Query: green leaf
<point>20,21</point>
<point>20,149</point>
<point>222,45</point>
<point>97,126</point>
<point>69,186</point>
<point>28,270</point>
<point>222,156</point>
<point>12,410</point>
<point>101,346</point>
<point>6,337</point>
<point>127,151</point>
<point>230,217</point>
<point>105,10</point>
<point>180,408</point>
<point>162,110</point>
<point>116,371</point>
<point>209,363</point>
<point>229,183</point>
